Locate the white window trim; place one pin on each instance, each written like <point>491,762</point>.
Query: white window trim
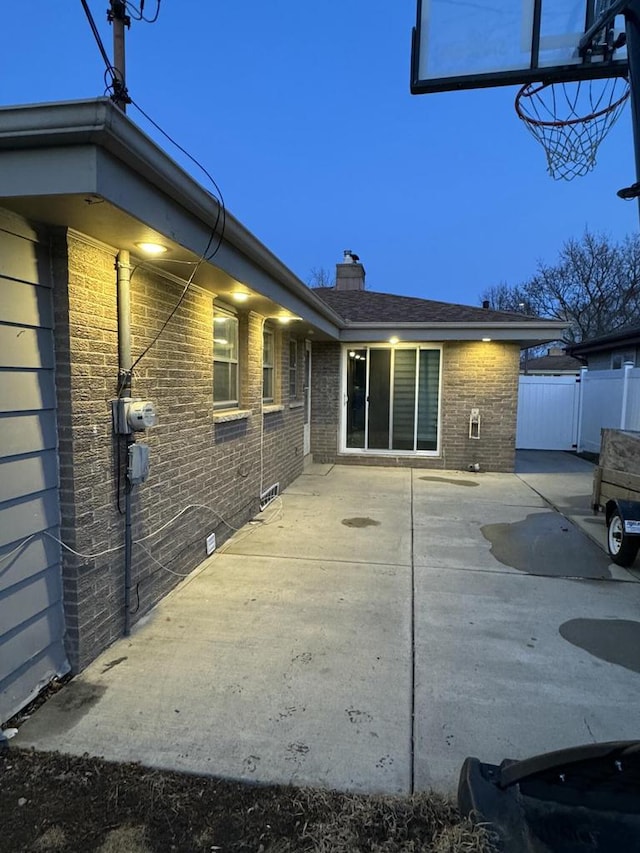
<point>221,405</point>
<point>295,345</point>
<point>272,400</point>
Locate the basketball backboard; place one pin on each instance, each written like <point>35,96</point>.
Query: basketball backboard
<point>469,44</point>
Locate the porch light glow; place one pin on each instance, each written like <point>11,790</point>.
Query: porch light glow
<point>239,297</point>
<point>486,340</point>
<point>393,340</point>
<point>152,248</point>
<point>284,320</point>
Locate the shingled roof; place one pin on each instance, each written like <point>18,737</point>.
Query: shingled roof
<point>368,306</point>
<point>625,336</point>
<point>553,362</point>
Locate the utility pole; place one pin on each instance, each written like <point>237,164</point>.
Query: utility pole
<point>118,18</point>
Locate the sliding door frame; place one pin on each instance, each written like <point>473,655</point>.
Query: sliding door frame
<point>344,398</point>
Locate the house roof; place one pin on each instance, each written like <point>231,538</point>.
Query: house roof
<point>627,335</point>
<point>86,166</point>
<point>370,315</point>
<point>553,363</point>
<point>368,306</point>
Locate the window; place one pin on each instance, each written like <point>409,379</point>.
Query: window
<point>618,359</point>
<point>393,399</point>
<point>225,360</point>
<point>268,366</point>
<point>293,370</point>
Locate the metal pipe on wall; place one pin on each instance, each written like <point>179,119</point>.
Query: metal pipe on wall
<point>123,286</point>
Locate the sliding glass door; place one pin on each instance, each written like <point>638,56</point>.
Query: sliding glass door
<point>392,399</point>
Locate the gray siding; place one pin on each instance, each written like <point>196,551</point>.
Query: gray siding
<point>31,613</point>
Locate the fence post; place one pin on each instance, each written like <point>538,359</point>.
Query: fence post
<point>628,366</point>
<point>581,382</point>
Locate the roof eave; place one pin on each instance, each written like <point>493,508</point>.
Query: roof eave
<point>98,122</point>
<point>530,333</point>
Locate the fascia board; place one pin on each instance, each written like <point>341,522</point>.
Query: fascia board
<point>521,332</point>
<point>65,128</point>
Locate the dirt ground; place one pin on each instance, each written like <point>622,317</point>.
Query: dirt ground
<point>52,802</point>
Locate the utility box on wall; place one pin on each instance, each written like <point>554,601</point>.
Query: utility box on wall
<point>130,415</point>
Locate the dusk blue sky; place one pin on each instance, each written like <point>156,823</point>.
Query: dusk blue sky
<point>302,113</point>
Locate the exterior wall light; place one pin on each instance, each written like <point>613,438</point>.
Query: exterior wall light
<point>486,340</point>
<point>394,340</point>
<point>152,248</point>
<point>239,297</point>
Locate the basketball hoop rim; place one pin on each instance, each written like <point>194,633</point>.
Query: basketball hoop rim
<point>531,89</point>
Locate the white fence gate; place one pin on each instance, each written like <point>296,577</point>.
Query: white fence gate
<point>548,413</point>
<point>568,412</point>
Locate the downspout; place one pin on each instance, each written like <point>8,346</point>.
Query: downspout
<point>123,284</point>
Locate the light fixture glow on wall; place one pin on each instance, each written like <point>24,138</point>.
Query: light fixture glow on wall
<point>394,340</point>
<point>152,248</point>
<point>239,297</point>
<point>486,340</point>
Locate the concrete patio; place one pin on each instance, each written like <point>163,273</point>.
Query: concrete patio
<point>371,632</point>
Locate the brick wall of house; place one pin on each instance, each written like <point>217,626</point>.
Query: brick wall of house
<point>325,401</point>
<point>474,375</point>
<point>203,464</point>
<point>483,376</point>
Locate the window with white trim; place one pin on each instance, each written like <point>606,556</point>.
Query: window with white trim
<point>293,369</point>
<point>393,399</point>
<point>268,366</point>
<point>225,360</point>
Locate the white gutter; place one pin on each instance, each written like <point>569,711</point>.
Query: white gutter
<point>99,122</point>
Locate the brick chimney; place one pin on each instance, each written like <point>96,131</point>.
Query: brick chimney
<point>350,273</point>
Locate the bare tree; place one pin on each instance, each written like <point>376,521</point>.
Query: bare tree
<point>504,297</point>
<point>594,286</point>
<point>320,277</point>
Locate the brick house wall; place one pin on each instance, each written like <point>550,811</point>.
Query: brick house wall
<point>474,375</point>
<point>197,457</point>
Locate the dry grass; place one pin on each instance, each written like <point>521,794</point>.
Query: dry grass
<point>53,802</point>
<point>424,822</point>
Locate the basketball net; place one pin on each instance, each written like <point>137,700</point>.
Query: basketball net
<point>570,120</point>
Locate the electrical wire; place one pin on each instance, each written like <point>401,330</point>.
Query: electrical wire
<point>138,13</point>
<point>162,566</point>
<point>218,226</point>
<point>116,87</point>
<point>221,215</point>
<point>106,551</point>
<point>120,93</point>
<point>97,36</point>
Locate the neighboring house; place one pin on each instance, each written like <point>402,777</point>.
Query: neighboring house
<point>555,363</point>
<point>248,369</point>
<point>610,352</point>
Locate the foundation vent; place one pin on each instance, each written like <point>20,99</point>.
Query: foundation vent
<point>269,495</point>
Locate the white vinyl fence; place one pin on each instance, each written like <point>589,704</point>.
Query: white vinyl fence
<point>568,412</point>
<point>610,398</point>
